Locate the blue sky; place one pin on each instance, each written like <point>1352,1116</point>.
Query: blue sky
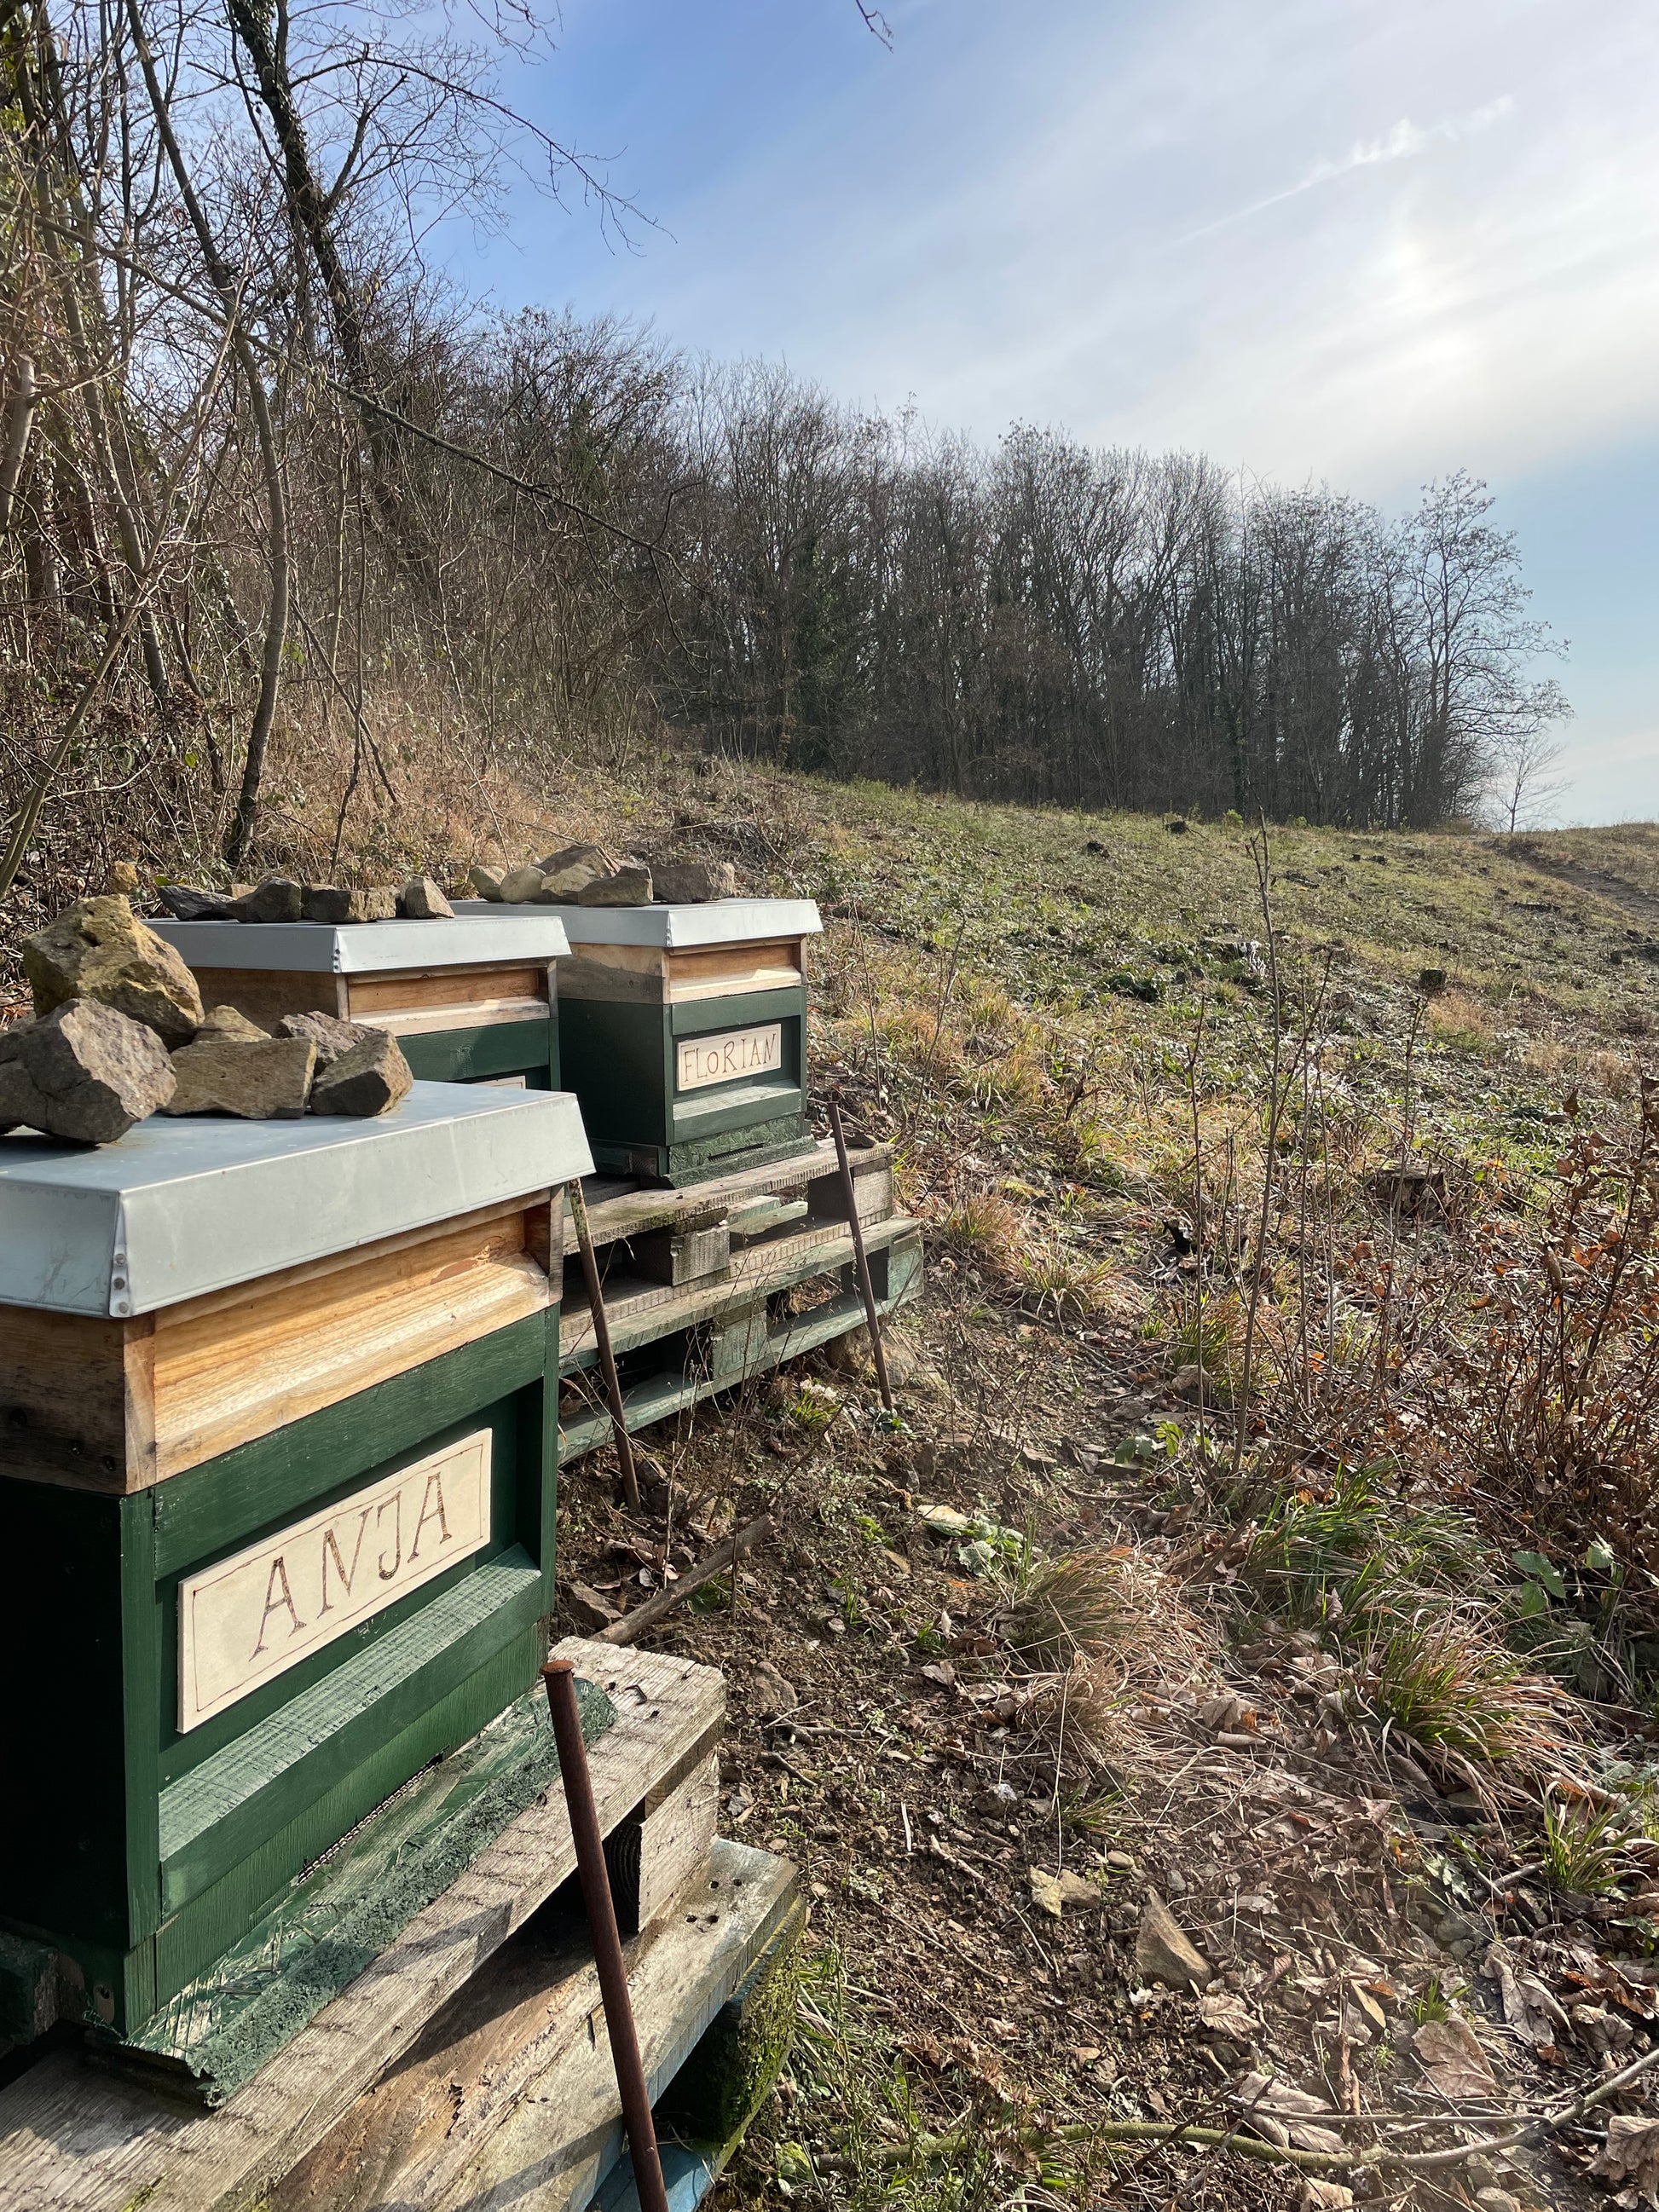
<point>1364,243</point>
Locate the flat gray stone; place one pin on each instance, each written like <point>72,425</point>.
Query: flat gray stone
<point>276,899</point>
<point>627,887</point>
<point>420,899</point>
<point>185,904</point>
<point>693,882</point>
<point>487,882</point>
<point>333,1038</point>
<point>85,1073</point>
<point>368,1079</point>
<point>520,886</point>
<point>235,1067</point>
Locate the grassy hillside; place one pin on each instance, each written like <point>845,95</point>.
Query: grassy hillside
<point>1271,1530</point>
<point>1306,1567</point>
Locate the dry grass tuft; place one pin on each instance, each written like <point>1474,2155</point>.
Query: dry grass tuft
<point>1461,1704</point>
<point>1075,1604</point>
<point>1134,1638</point>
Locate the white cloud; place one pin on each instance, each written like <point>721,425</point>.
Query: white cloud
<point>1398,144</point>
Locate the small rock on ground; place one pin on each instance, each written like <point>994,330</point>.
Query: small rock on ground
<point>1164,1952</point>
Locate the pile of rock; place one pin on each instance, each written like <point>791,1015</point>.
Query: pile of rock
<point>586,875</point>
<point>278,898</point>
<point>120,1033</point>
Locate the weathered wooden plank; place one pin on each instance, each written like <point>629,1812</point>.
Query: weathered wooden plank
<point>562,2133</point>
<point>633,1212</point>
<point>516,2027</point>
<point>661,1395</point>
<point>479,1014</point>
<point>406,990</point>
<point>228,1370</point>
<point>75,1403</point>
<point>72,2140</point>
<point>639,1312</point>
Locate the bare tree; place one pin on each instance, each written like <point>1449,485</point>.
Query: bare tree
<point>1524,786</point>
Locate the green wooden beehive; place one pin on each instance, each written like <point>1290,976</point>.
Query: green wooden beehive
<point>277,1460</point>
<point>682,1032</point>
<point>466,1004</point>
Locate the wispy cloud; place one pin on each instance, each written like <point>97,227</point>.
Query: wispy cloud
<point>1406,140</point>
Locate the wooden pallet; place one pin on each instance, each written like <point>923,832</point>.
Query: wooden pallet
<point>700,1285</point>
<point>74,2138</point>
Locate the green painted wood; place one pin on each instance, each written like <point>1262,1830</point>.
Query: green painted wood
<point>742,1010</point>
<point>64,1845</point>
<point>509,1426</point>
<point>189,1943</point>
<point>227,1501</point>
<point>214,1816</point>
<point>488,1052</point>
<point>220,2029</point>
<point>141,1689</point>
<point>88,1605</point>
<point>619,1059</point>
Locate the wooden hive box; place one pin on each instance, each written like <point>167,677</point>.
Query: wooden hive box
<point>277,1460</point>
<point>682,1030</point>
<point>466,1004</point>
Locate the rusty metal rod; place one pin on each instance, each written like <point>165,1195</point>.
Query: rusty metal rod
<point>559,1676</point>
<point>602,1339</point>
<point>860,1259</point>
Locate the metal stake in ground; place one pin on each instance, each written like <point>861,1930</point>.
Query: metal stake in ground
<point>602,1339</point>
<point>860,1260</point>
<point>558,1674</point>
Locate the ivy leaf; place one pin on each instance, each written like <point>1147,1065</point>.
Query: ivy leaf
<point>1538,1569</point>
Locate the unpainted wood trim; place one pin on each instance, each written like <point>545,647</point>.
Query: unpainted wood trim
<point>224,1377</point>
<point>479,1014</point>
<point>331,1263</point>
<point>406,990</point>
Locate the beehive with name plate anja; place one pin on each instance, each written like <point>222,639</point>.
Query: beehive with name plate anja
<point>278,1449</point>
<point>682,1030</point>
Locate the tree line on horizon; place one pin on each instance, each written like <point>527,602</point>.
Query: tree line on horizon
<point>277,500</point>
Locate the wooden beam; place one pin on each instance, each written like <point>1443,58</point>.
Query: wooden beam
<point>73,2140</point>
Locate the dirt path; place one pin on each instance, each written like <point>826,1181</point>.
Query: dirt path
<point>1641,906</point>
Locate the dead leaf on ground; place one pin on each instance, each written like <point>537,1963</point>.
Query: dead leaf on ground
<point>1528,2007</point>
<point>1228,2016</point>
<point>1278,2111</point>
<point>1317,2196</point>
<point>1453,2059</point>
<point>1630,2154</point>
<point>1053,1892</point>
